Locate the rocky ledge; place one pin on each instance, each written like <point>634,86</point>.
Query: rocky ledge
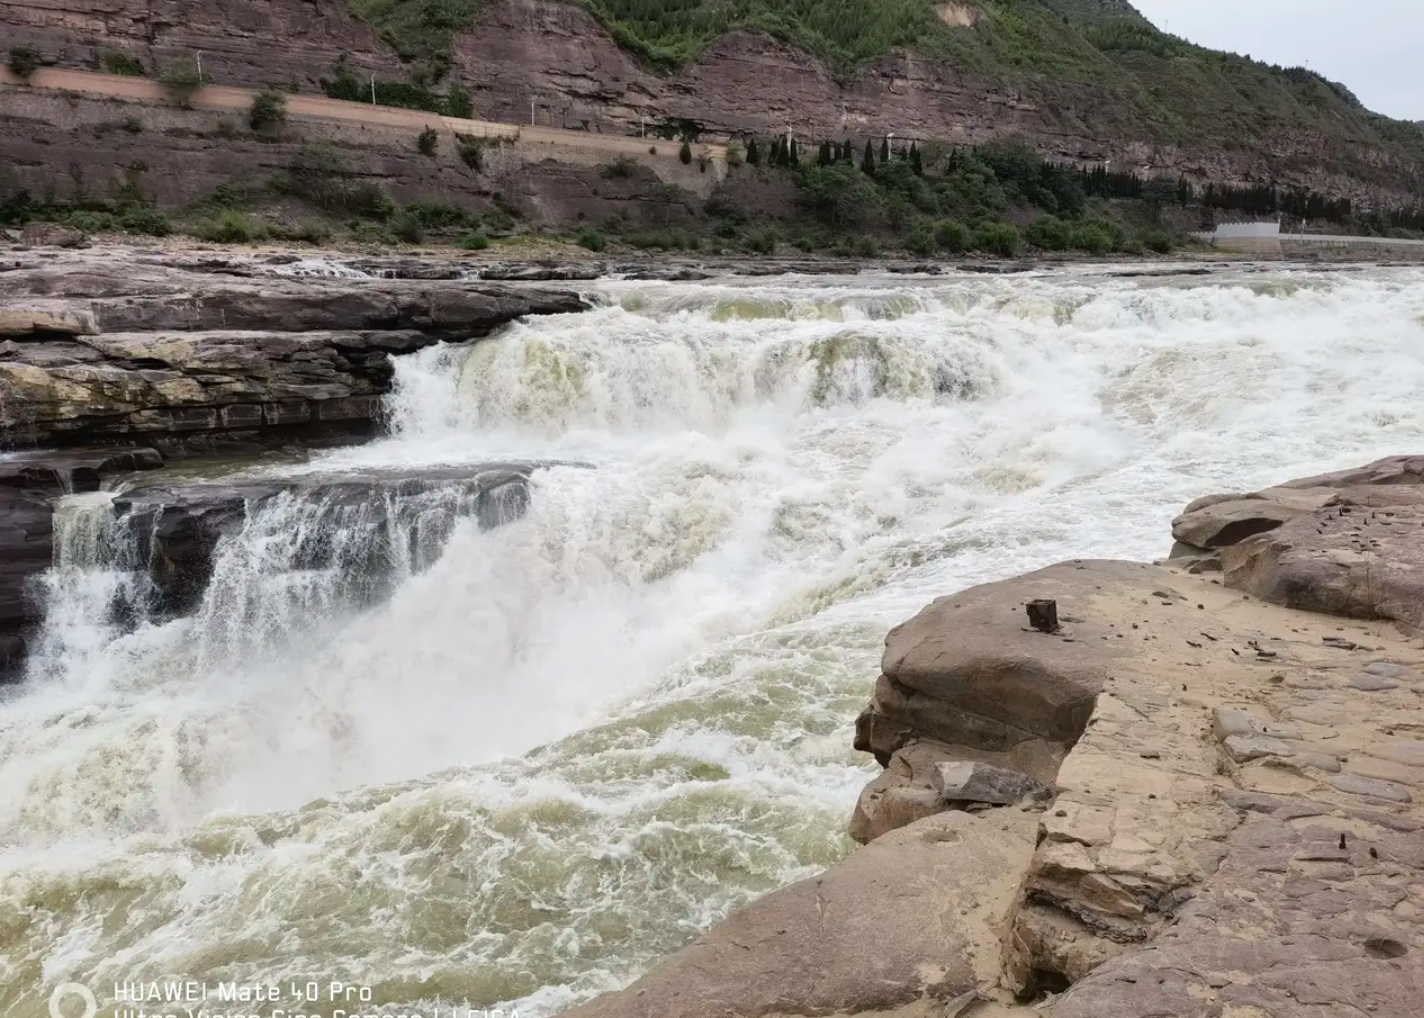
<point>362,528</point>
<point>1200,795</point>
<point>192,357</point>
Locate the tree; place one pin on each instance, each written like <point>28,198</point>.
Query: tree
<point>916,163</point>
<point>753,153</point>
<point>24,61</point>
<point>181,78</point>
<point>848,152</point>
<point>825,157</point>
<point>794,154</point>
<point>269,109</point>
<point>867,161</point>
<point>736,155</point>
<point>684,154</point>
<point>840,194</point>
<point>428,142</point>
<point>885,149</point>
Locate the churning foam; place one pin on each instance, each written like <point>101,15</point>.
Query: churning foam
<point>568,744</point>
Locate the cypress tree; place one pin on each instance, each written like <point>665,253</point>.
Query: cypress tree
<point>867,162</point>
<point>795,154</point>
<point>824,157</point>
<point>847,151</point>
<point>916,163</point>
<point>685,154</point>
<point>753,153</point>
<point>885,149</point>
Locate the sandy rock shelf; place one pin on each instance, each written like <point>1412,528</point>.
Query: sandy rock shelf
<point>1233,820</point>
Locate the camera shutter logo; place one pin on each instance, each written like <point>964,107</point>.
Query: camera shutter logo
<point>63,990</point>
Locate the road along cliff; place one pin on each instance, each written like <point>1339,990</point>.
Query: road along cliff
<point>1190,797</point>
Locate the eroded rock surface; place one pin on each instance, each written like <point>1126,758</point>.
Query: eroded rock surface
<point>914,917</point>
<point>188,360</point>
<point>1346,543</point>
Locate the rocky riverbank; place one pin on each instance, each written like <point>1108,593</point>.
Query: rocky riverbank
<point>187,356</point>
<point>1200,795</point>
<point>113,361</point>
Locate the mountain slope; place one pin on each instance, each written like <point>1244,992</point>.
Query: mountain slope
<point>1088,70</point>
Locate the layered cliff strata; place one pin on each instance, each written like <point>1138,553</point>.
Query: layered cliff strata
<point>249,43</point>
<point>1182,801</point>
<point>117,348</point>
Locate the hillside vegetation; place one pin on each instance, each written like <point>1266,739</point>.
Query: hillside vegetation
<point>1100,58</point>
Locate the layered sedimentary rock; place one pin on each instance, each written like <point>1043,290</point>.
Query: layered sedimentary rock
<point>1346,543</point>
<point>557,55</point>
<point>243,42</point>
<point>185,360</point>
<point>1228,794</point>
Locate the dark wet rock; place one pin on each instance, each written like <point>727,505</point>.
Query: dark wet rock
<point>30,483</point>
<point>352,523</point>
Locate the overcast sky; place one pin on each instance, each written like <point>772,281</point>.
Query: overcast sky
<point>1373,47</point>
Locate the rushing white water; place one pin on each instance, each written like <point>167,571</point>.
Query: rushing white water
<point>558,751</point>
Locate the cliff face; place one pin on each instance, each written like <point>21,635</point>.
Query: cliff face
<point>557,56</point>
<point>242,42</point>
<point>553,61</point>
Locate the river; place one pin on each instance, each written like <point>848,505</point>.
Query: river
<point>567,745</point>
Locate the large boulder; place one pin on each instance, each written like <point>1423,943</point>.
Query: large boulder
<point>918,916</point>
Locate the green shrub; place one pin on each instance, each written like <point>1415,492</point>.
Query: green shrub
<point>865,246</point>
<point>145,219</point>
<point>1000,239</point>
<point>591,239</point>
<point>736,155</point>
<point>181,79</point>
<point>118,62</point>
<point>620,167</point>
<point>91,220</point>
<point>763,241</point>
<point>269,109</point>
<point>438,215</point>
<point>1049,233</point>
<point>24,61</point>
<point>318,173</point>
<point>457,103</point>
<point>472,151</point>
<point>232,227</point>
<point>921,242</point>
<point>308,232</point>
<point>1095,236</point>
<point>1157,241</point>
<point>499,221</point>
<point>407,227</point>
<point>804,243</point>
<point>953,236</point>
<point>428,142</point>
<point>475,240</point>
<point>133,125</point>
<point>685,154</point>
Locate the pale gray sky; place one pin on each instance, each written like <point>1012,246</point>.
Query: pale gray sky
<point>1373,47</point>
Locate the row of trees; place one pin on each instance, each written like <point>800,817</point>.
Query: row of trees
<point>1064,189</point>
